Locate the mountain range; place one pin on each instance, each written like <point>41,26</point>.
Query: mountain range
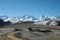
<point>25,18</point>
<point>28,18</point>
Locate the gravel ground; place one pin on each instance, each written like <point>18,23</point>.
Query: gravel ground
<point>12,34</point>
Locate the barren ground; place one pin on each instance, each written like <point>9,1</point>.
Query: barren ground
<point>9,32</point>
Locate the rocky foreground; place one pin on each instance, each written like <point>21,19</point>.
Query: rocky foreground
<point>29,34</point>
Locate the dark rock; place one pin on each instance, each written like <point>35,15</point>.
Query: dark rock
<point>17,29</point>
<point>40,30</point>
<point>30,29</point>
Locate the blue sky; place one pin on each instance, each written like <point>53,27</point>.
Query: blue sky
<point>30,7</point>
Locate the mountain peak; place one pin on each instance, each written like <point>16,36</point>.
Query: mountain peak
<point>28,18</point>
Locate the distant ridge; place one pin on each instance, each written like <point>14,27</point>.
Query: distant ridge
<point>30,19</point>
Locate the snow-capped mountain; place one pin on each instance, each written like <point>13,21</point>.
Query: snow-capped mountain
<point>46,18</point>
<point>27,18</point>
<point>12,20</point>
<point>19,19</point>
<point>3,17</point>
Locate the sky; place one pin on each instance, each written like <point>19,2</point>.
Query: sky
<point>34,8</point>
